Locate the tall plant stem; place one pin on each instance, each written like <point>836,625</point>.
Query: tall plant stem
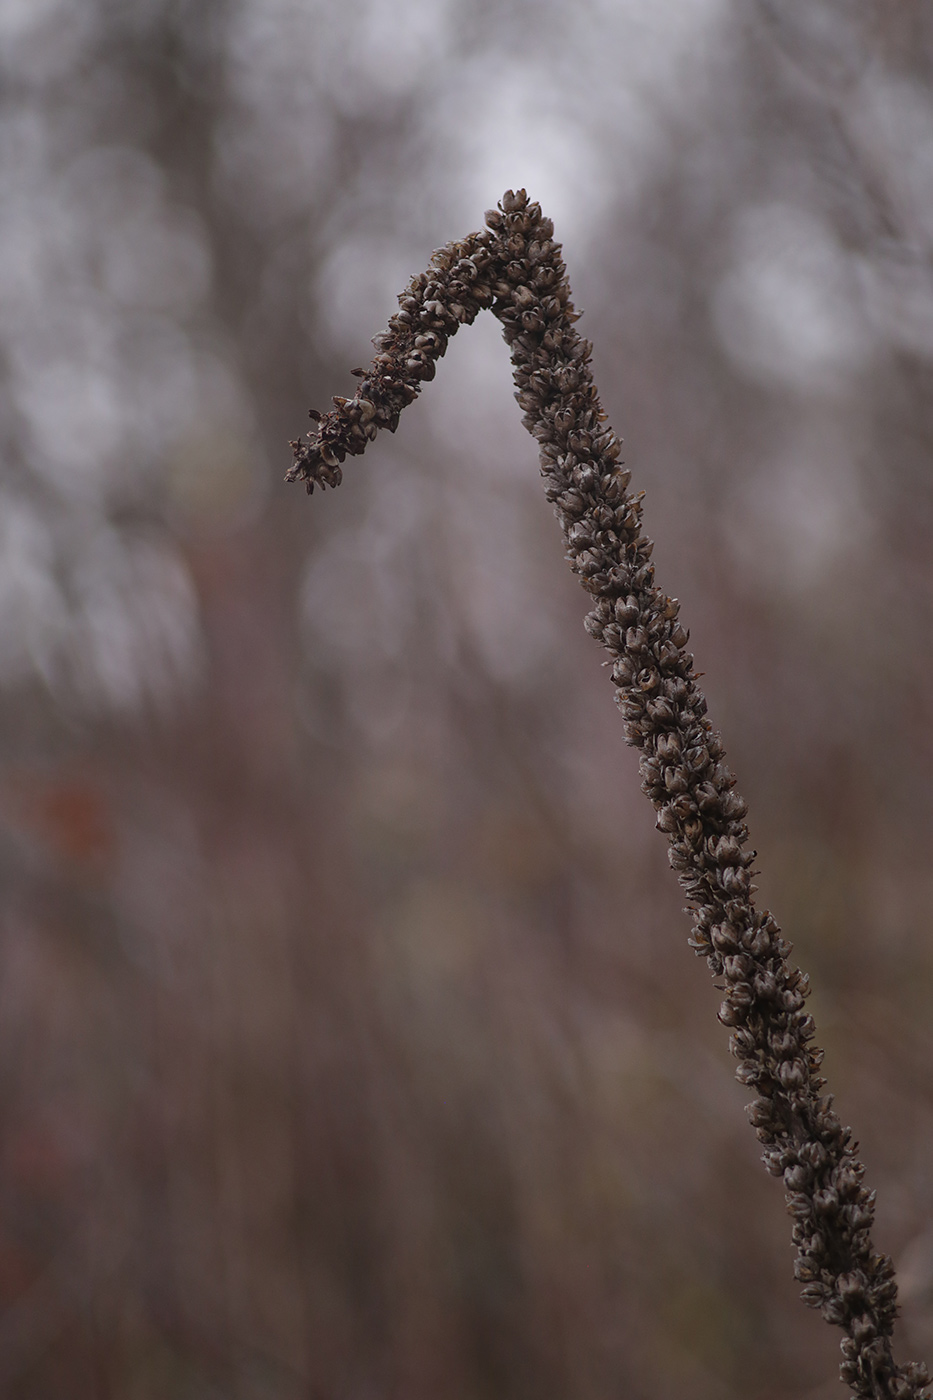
<point>515,269</point>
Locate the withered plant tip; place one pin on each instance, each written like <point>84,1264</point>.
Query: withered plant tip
<point>514,268</point>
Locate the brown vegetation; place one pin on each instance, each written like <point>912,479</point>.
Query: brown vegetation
<point>349,1043</point>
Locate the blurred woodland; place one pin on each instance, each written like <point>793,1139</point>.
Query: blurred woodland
<point>350,1045</point>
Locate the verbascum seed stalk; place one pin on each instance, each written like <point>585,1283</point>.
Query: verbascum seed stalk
<point>515,269</point>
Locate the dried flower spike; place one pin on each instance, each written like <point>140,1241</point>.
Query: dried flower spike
<point>514,268</point>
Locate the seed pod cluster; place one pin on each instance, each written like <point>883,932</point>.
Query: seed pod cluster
<point>433,306</point>
<point>515,268</point>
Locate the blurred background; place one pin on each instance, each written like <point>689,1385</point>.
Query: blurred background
<point>350,1045</point>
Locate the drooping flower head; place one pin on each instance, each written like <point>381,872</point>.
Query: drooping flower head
<point>514,268</point>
